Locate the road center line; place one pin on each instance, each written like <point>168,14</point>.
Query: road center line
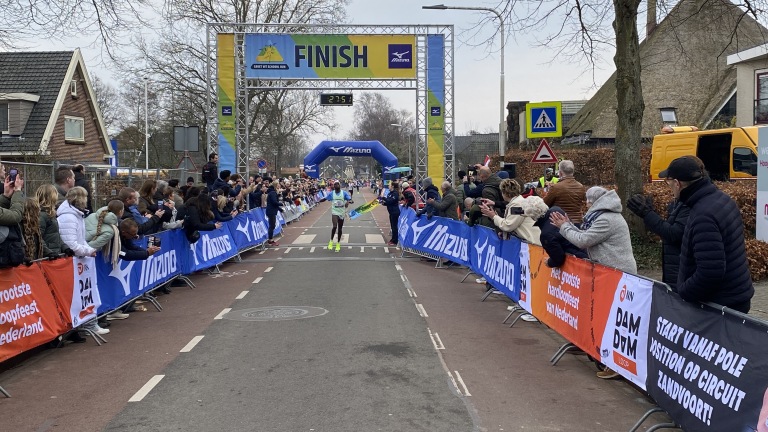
<point>421,310</point>
<point>241,295</point>
<point>222,313</point>
<point>146,389</point>
<point>188,347</point>
<point>257,280</point>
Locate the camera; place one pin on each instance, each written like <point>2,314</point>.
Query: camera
<point>12,174</point>
<point>510,168</point>
<point>471,170</point>
<point>153,241</point>
<point>159,203</point>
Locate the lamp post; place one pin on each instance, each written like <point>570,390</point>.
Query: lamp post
<point>502,122</point>
<point>397,125</point>
<point>146,126</point>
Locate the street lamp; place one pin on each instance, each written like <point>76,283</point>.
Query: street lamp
<point>146,126</point>
<point>502,122</point>
<point>397,125</point>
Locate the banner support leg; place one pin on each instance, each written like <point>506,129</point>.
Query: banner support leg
<point>656,426</point>
<point>2,390</point>
<point>154,302</point>
<point>467,275</point>
<point>96,337</point>
<point>514,309</point>
<point>491,290</point>
<point>187,281</point>
<point>561,352</point>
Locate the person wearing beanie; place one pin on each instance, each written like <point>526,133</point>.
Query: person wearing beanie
<point>190,181</point>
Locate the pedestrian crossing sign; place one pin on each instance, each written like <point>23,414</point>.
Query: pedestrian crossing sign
<point>543,119</point>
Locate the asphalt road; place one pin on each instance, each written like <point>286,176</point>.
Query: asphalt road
<point>397,345</point>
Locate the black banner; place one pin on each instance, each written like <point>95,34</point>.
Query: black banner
<point>707,369</point>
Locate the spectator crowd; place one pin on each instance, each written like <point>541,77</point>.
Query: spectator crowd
<point>703,250</point>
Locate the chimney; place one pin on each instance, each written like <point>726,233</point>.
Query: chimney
<point>650,18</point>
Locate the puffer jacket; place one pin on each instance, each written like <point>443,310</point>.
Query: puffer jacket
<point>447,206</point>
<point>553,242</point>
<point>671,232</point>
<point>72,229</point>
<point>520,225</point>
<point>607,239</point>
<point>11,209</point>
<point>713,258</point>
<point>91,223</point>
<point>49,227</point>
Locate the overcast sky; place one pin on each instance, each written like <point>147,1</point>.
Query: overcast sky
<point>532,73</point>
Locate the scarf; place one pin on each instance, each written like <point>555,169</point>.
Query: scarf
<point>111,250</point>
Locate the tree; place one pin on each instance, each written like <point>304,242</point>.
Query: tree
<point>377,119</point>
<point>108,100</point>
<point>23,20</point>
<point>176,61</point>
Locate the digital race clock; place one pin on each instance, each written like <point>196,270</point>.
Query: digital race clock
<point>336,99</point>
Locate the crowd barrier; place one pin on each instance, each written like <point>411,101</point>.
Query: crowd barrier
<point>40,302</point>
<point>702,364</point>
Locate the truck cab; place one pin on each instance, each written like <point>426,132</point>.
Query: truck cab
<point>728,154</point>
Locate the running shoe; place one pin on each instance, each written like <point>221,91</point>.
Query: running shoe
<point>338,246</point>
<point>330,245</point>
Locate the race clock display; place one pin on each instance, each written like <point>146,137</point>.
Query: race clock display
<point>336,99</point>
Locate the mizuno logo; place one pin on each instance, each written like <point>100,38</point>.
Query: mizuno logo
<point>336,149</point>
<point>400,55</point>
<point>417,230</point>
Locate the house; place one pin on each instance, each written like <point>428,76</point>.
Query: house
<point>48,110</point>
<point>752,85</point>
<point>683,61</point>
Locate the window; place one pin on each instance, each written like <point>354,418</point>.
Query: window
<point>3,117</point>
<point>744,160</point>
<point>74,129</point>
<point>761,100</point>
<point>73,88</point>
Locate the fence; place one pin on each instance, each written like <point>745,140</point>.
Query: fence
<point>105,182</point>
<point>703,364</point>
<point>39,303</point>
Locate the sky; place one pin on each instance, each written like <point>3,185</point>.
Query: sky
<point>531,73</point>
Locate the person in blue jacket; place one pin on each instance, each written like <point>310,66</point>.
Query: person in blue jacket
<point>392,201</point>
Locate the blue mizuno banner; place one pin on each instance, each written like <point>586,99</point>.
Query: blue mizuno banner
<point>498,261</point>
<point>248,228</point>
<point>213,247</point>
<point>131,279</point>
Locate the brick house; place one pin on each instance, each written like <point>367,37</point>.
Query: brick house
<point>48,110</point>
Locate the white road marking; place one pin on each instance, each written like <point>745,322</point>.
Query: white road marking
<point>374,238</point>
<point>262,252</point>
<point>301,248</point>
<point>362,249</point>
<point>386,250</point>
<point>345,238</point>
<point>222,313</point>
<point>146,388</point>
<point>241,295</point>
<point>257,280</point>
<point>464,386</point>
<point>305,239</point>
<point>411,293</point>
<point>188,347</point>
<point>422,311</point>
<point>287,250</point>
<point>312,250</point>
<point>269,269</point>
<point>436,340</point>
<point>398,268</point>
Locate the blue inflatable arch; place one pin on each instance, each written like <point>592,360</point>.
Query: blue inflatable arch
<point>374,149</point>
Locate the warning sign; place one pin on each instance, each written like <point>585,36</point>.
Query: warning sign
<point>543,119</point>
<point>544,154</point>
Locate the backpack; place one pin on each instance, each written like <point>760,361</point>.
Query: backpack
<point>209,172</point>
<point>11,246</point>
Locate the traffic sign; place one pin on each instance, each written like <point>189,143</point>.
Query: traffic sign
<point>544,154</point>
<point>261,163</point>
<point>543,119</point>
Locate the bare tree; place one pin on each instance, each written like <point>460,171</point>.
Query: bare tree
<point>108,101</point>
<point>377,119</point>
<point>22,20</point>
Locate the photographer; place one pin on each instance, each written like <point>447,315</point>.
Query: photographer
<point>514,221</point>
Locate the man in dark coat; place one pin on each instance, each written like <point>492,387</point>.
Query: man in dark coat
<point>713,258</point>
<point>273,206</point>
<point>82,181</point>
<point>553,242</point>
<point>490,191</point>
<point>670,230</point>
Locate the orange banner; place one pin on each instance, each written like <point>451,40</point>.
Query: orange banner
<point>59,276</point>
<point>561,298</point>
<point>29,315</point>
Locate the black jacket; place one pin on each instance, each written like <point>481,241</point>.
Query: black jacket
<point>392,201</point>
<point>273,203</point>
<point>130,252</point>
<point>193,220</point>
<point>553,242</point>
<point>220,184</point>
<point>431,192</point>
<point>83,182</point>
<point>671,232</point>
<point>713,258</point>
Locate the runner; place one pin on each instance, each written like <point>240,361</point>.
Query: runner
<point>340,200</point>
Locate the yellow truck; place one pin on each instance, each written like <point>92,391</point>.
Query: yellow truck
<point>728,154</point>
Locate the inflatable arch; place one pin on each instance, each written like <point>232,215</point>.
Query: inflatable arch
<point>374,149</point>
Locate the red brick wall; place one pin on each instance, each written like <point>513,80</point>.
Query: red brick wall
<point>92,149</point>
